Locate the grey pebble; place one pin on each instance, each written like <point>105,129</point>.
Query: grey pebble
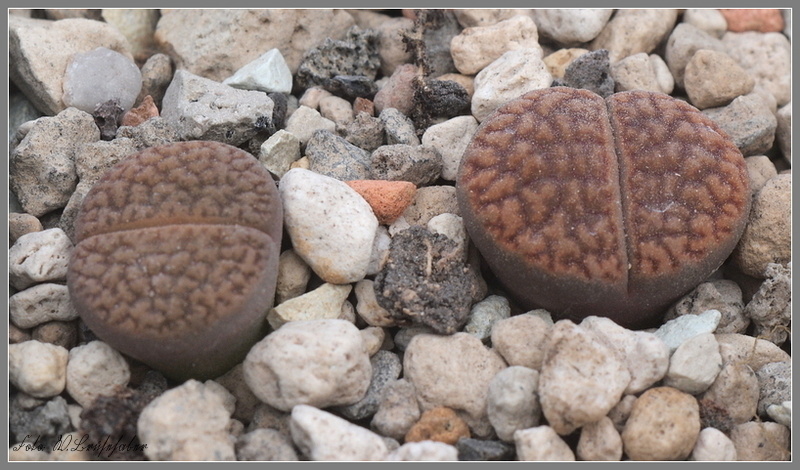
<point>333,156</point>
<point>386,368</point>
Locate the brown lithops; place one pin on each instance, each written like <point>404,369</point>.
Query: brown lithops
<point>176,257</point>
<point>614,207</point>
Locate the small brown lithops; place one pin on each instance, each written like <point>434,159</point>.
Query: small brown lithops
<point>176,257</point>
<point>614,207</point>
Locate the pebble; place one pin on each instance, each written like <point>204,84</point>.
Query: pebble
<point>621,411</point>
<point>137,25</point>
<point>429,202</point>
<point>766,57</point>
<point>373,337</point>
<point>153,132</point>
<point>775,383</point>
<point>20,224</point>
<point>312,96</point>
<point>331,368</point>
<point>678,330</point>
<point>476,47</point>
<point>512,402</point>
<point>397,411</point>
<point>450,139</point>
<point>354,54</point>
<point>314,208</point>
<point>571,26</point>
<point>39,257</point>
<point>293,276</point>
<point>748,350</point>
<point>439,424</point>
<point>470,449</point>
<point>722,295</point>
<point>405,334</point>
<point>305,122</point>
<point>202,109</point>
<point>749,122</point>
<point>37,67</point>
<point>694,365</point>
<point>770,308</point>
<point>631,31</point>
<point>388,199</point>
<point>201,41</point>
<point>576,366</point>
<point>736,391</point>
<point>268,73</point>
<point>543,444</point>
<point>485,16</point>
<point>391,48</point>
<point>324,302</point>
<point>279,151</point>
<point>761,441</point>
<point>337,110</point>
<point>713,445</point>
<point>264,444</point>
<point>514,73</point>
<point>760,169</point>
<point>156,76</point>
<point>323,436</point>
<point>591,71</point>
<point>663,425</point>
<point>366,132</point>
<point>40,304</point>
<point>764,20</point>
<point>467,82</point>
<point>683,43</point>
<point>781,413</point>
<point>520,339</point>
<point>642,72</point>
<point>767,235</point>
<point>332,156</point>
<point>145,110</point>
<point>368,307</point>
<point>713,78</point>
<point>453,371</point>
<point>485,314</point>
<point>100,75</point>
<point>440,99</point>
<point>645,355</point>
<point>398,91</point>
<point>386,368</point>
<point>59,333</point>
<point>267,417</point>
<point>425,281</point>
<point>45,420</point>
<point>558,61</point>
<point>398,128</point>
<point>93,370</point>
<point>38,369</point>
<point>425,451</point>
<point>784,131</point>
<point>188,422</point>
<point>42,167</point>
<point>600,441</point>
<point>451,226</point>
<point>420,164</point>
<point>246,402</point>
<point>711,21</point>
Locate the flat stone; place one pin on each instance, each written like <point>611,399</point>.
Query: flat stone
<point>40,304</point>
<point>323,436</point>
<point>678,330</point>
<point>420,165</point>
<point>324,302</point>
<point>333,156</point>
<point>631,31</point>
<point>694,365</point>
<point>512,401</point>
<point>39,257</point>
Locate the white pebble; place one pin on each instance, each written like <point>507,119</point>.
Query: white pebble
<point>323,436</point>
<point>39,257</point>
<point>452,227</point>
<point>571,26</point>
<point>678,330</point>
<point>380,251</point>
<point>305,121</point>
<point>39,304</point>
<point>512,401</point>
<point>325,301</point>
<point>368,308</point>
<point>38,369</point>
<point>600,441</point>
<point>521,339</point>
<point>581,378</point>
<point>188,422</point>
<point>331,226</point>
<point>95,369</point>
<point>450,139</point>
<point>713,445</point>
<point>269,73</point>
<point>320,363</point>
<point>424,451</point>
<point>101,75</point>
<point>476,47</point>
<point>695,364</point>
<point>541,444</point>
<point>782,413</point>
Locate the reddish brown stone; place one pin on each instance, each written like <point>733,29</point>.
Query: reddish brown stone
<point>363,105</point>
<point>146,110</point>
<point>767,20</point>
<point>439,424</point>
<point>388,199</point>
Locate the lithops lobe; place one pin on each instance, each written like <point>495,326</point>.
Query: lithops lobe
<point>614,207</point>
<point>176,256</point>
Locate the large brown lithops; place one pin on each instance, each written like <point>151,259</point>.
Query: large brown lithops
<point>614,207</point>
<point>176,257</point>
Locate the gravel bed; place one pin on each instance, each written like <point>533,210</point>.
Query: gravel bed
<point>308,280</point>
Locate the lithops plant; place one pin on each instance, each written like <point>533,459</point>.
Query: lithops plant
<point>176,257</point>
<point>613,207</point>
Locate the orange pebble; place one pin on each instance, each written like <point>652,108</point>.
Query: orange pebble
<point>439,424</point>
<point>388,199</point>
<point>146,110</point>
<point>768,20</point>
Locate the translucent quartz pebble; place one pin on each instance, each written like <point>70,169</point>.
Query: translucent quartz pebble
<point>101,75</point>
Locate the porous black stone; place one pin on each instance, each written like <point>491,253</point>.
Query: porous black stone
<point>351,87</point>
<point>355,54</point>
